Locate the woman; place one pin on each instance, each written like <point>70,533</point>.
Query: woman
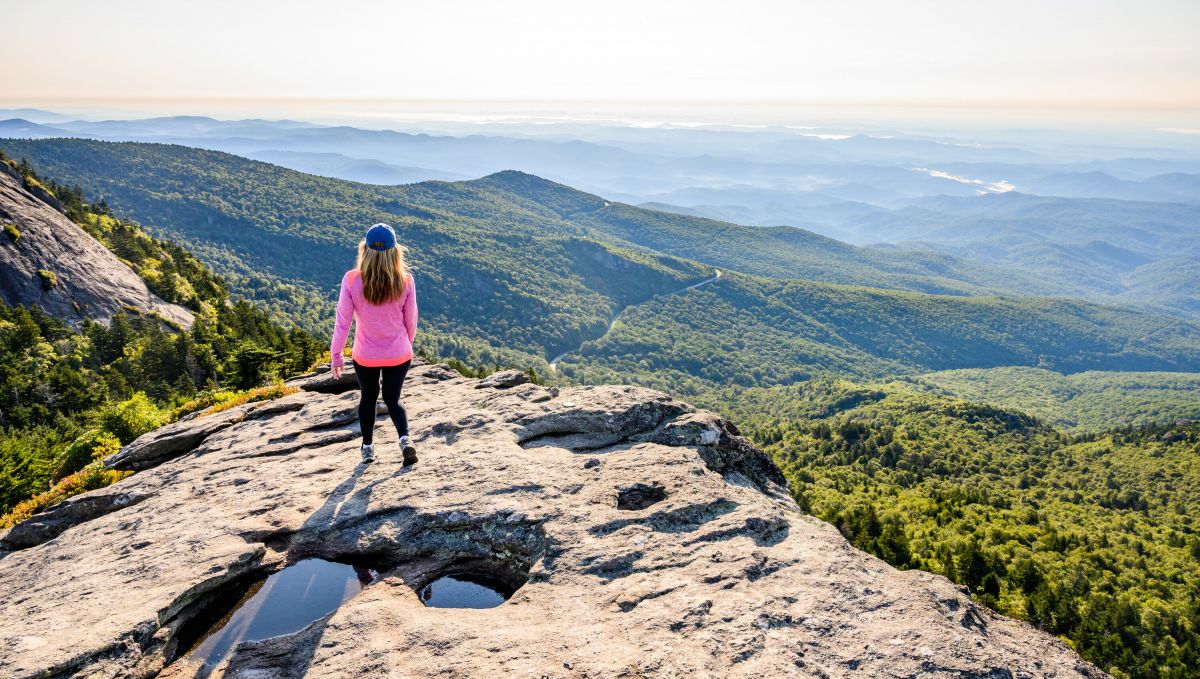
<point>379,292</point>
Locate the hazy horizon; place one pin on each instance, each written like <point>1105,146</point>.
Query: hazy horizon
<point>1032,63</point>
<point>1180,124</point>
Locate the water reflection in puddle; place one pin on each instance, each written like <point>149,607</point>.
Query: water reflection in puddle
<point>463,590</point>
<point>284,603</point>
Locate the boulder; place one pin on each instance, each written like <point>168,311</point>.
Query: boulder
<point>322,380</point>
<point>505,379</point>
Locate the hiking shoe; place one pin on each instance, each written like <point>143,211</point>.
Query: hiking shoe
<point>409,450</point>
<point>368,453</point>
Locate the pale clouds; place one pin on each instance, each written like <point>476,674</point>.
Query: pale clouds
<point>1000,186</point>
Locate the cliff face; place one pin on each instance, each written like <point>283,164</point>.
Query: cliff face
<point>643,537</point>
<point>83,280</point>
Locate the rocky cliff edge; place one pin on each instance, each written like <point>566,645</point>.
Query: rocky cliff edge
<point>646,538</point>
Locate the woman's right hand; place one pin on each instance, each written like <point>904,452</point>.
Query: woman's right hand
<point>338,365</point>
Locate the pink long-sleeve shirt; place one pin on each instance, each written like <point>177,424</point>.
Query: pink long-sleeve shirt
<point>384,333</point>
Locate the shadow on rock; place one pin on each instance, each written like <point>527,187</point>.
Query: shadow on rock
<point>344,506</point>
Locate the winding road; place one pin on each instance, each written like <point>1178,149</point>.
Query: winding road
<point>613,321</point>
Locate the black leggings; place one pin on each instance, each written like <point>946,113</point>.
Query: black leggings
<point>368,385</point>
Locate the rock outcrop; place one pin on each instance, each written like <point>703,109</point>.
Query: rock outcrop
<point>646,537</point>
<point>48,261</point>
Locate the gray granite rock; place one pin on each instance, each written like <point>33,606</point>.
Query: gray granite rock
<point>504,379</point>
<point>646,539</point>
<point>90,281</point>
<point>322,380</point>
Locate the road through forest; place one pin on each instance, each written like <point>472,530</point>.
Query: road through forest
<point>613,321</point>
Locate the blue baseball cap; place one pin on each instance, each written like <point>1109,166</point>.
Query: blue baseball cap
<point>381,237</point>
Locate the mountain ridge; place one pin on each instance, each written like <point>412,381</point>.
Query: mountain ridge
<point>277,235</point>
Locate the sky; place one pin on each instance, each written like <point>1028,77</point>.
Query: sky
<point>1098,54</point>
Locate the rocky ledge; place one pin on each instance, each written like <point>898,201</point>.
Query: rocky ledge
<point>646,538</point>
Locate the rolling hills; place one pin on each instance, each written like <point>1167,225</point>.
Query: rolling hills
<point>1115,251</point>
<point>754,331</point>
<point>354,169</point>
<point>1136,250</point>
<point>284,239</point>
<point>516,269</point>
<point>219,186</point>
<point>1081,402</point>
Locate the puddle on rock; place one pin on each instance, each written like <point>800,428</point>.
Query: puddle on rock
<point>283,603</point>
<point>465,590</point>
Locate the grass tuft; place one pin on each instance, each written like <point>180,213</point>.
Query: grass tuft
<point>213,402</point>
<point>49,279</point>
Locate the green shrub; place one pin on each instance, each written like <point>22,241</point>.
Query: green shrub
<point>91,477</point>
<point>14,234</point>
<point>130,419</point>
<point>211,402</point>
<point>95,444</point>
<point>49,279</point>
<point>28,459</point>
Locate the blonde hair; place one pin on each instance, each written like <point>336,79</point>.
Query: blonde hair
<point>383,272</point>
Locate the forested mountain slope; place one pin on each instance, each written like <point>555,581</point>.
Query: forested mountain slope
<point>492,271</point>
<point>1081,402</point>
<point>753,331</point>
<point>1093,538</point>
<point>515,269</point>
<point>783,252</point>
